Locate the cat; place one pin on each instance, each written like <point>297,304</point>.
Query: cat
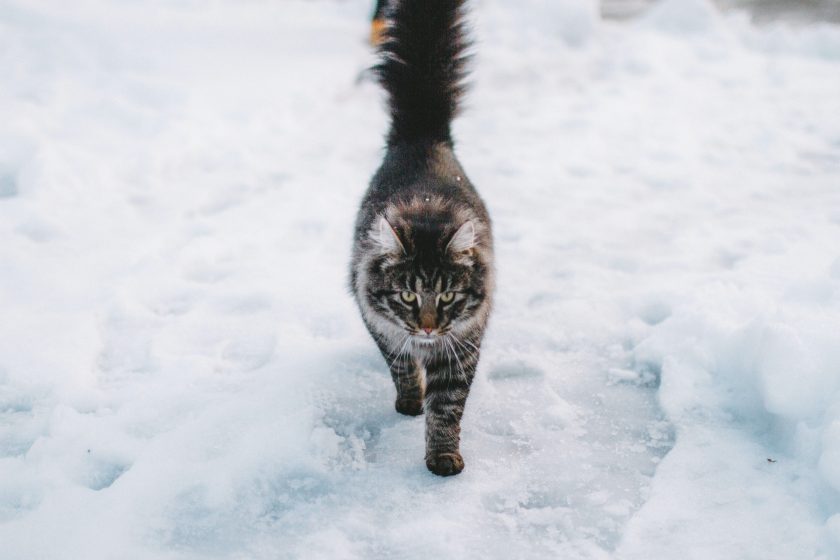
<point>422,261</point>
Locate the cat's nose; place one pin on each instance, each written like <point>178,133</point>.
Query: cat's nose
<point>427,330</point>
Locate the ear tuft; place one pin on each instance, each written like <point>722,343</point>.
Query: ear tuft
<point>385,237</point>
<point>464,239</point>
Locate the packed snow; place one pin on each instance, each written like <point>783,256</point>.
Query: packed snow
<point>183,374</point>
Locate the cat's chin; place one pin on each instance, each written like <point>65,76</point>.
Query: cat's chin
<point>425,340</point>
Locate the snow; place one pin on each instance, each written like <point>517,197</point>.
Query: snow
<point>183,374</point>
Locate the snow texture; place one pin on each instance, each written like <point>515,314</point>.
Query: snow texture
<point>183,374</point>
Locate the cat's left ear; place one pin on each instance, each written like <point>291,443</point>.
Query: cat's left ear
<point>464,239</point>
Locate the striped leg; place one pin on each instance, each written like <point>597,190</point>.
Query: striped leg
<point>407,378</point>
<point>448,378</point>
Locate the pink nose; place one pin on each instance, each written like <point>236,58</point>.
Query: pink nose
<point>427,330</point>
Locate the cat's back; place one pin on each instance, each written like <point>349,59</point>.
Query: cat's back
<point>418,173</point>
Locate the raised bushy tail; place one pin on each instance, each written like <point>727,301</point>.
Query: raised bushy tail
<point>422,67</point>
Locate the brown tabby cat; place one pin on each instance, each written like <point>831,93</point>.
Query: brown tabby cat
<point>422,268</point>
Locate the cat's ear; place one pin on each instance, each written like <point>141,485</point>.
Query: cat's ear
<point>385,236</point>
<point>464,239</point>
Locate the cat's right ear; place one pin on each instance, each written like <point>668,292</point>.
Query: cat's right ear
<point>385,236</point>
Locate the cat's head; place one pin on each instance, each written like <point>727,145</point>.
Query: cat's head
<point>430,276</point>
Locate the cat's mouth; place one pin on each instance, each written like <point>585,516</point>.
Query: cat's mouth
<point>426,339</point>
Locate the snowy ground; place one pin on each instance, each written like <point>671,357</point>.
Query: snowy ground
<point>182,372</point>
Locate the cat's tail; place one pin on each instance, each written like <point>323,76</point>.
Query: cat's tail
<point>422,67</point>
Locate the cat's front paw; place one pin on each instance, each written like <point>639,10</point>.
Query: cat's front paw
<point>445,464</point>
<point>409,407</point>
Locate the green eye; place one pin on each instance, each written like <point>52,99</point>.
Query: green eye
<point>408,297</point>
<point>447,297</point>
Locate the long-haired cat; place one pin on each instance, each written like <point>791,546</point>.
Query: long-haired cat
<point>422,267</point>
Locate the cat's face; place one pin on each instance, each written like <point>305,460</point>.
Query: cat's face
<point>428,283</point>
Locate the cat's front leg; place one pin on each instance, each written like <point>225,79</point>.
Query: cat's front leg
<point>407,376</point>
<point>448,378</point>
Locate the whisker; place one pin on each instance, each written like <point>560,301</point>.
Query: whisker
<point>449,362</point>
<point>405,342</point>
<point>463,345</point>
<point>468,342</point>
<point>449,341</point>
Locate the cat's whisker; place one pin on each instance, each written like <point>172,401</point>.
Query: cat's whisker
<point>466,341</point>
<point>449,341</point>
<point>405,342</point>
<point>464,347</point>
<point>449,364</point>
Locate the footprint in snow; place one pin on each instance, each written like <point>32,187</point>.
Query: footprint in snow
<point>244,305</point>
<point>102,474</point>
<point>248,353</point>
<point>126,345</point>
<point>8,185</point>
<point>223,201</point>
<point>173,304</point>
<point>654,312</point>
<point>206,272</point>
<point>514,370</point>
<point>37,231</point>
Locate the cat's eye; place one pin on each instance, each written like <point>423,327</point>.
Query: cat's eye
<point>408,297</point>
<point>447,297</point>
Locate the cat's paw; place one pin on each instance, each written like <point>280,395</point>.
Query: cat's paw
<point>445,464</point>
<point>409,407</point>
